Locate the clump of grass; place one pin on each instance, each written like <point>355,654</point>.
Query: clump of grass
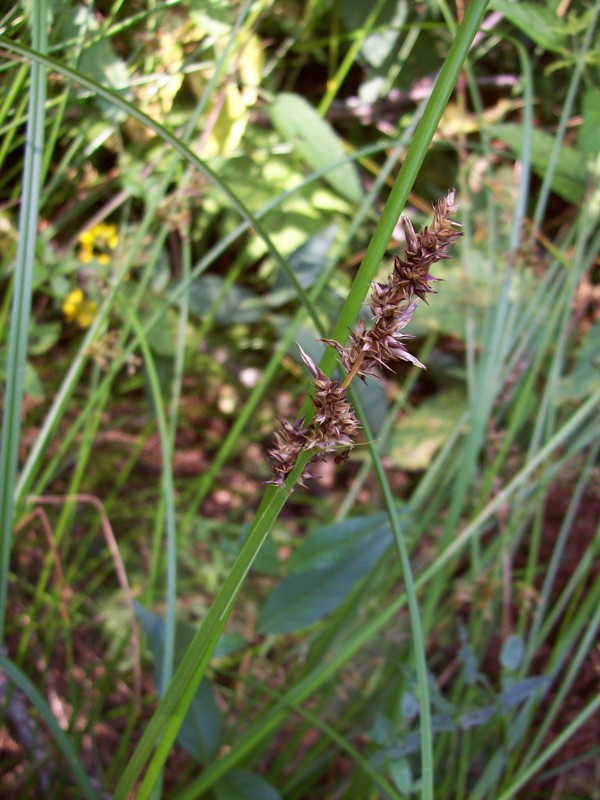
<point>392,305</point>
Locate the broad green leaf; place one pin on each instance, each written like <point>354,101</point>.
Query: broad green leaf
<point>43,337</point>
<point>424,430</point>
<point>461,293</point>
<point>32,385</point>
<point>257,179</point>
<point>231,123</point>
<point>584,378</point>
<point>476,717</point>
<point>401,774</point>
<point>374,403</point>
<point>241,784</point>
<point>327,546</point>
<point>537,21</point>
<point>409,706</point>
<point>99,61</point>
<point>512,652</point>
<point>381,43</point>
<point>201,729</point>
<point>523,690</point>
<point>306,596</point>
<point>211,16</point>
<point>228,129</point>
<point>236,304</point>
<point>315,142</point>
<point>571,175</point>
<point>162,337</point>
<point>307,263</point>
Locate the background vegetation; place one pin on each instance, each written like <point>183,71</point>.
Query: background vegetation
<point>187,190</point>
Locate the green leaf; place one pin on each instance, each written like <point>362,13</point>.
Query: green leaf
<point>519,692</point>
<point>424,430</point>
<point>162,337</point>
<point>476,717</point>
<point>43,337</point>
<point>308,594</point>
<point>571,175</point>
<point>241,784</point>
<point>307,263</point>
<point>463,292</point>
<point>327,546</point>
<point>99,61</point>
<point>235,304</point>
<point>201,729</point>
<point>381,43</point>
<point>307,209</point>
<point>32,385</point>
<point>584,378</point>
<point>315,142</point>
<point>373,401</point>
<point>537,21</point>
<point>401,774</point>
<point>211,16</point>
<point>409,706</point>
<point>512,653</point>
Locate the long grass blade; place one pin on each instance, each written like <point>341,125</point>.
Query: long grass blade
<point>21,305</point>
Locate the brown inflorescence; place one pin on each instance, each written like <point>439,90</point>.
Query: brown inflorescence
<point>392,304</point>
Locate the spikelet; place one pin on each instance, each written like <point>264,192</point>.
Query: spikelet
<point>334,424</point>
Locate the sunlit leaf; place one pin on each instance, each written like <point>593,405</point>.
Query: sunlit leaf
<point>424,430</point>
<point>307,263</point>
<point>381,43</point>
<point>315,142</point>
<point>234,304</point>
<point>537,21</point>
<point>571,175</point>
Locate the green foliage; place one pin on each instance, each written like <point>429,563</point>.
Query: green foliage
<point>324,570</point>
<point>571,175</point>
<point>537,21</point>
<point>425,429</point>
<point>314,140</point>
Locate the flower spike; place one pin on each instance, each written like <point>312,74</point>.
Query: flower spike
<point>334,424</point>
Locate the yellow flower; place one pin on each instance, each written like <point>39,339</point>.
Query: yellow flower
<point>79,310</point>
<point>97,243</point>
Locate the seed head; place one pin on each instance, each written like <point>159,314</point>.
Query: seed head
<point>334,424</point>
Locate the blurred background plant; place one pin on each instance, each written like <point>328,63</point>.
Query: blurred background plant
<point>206,180</point>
